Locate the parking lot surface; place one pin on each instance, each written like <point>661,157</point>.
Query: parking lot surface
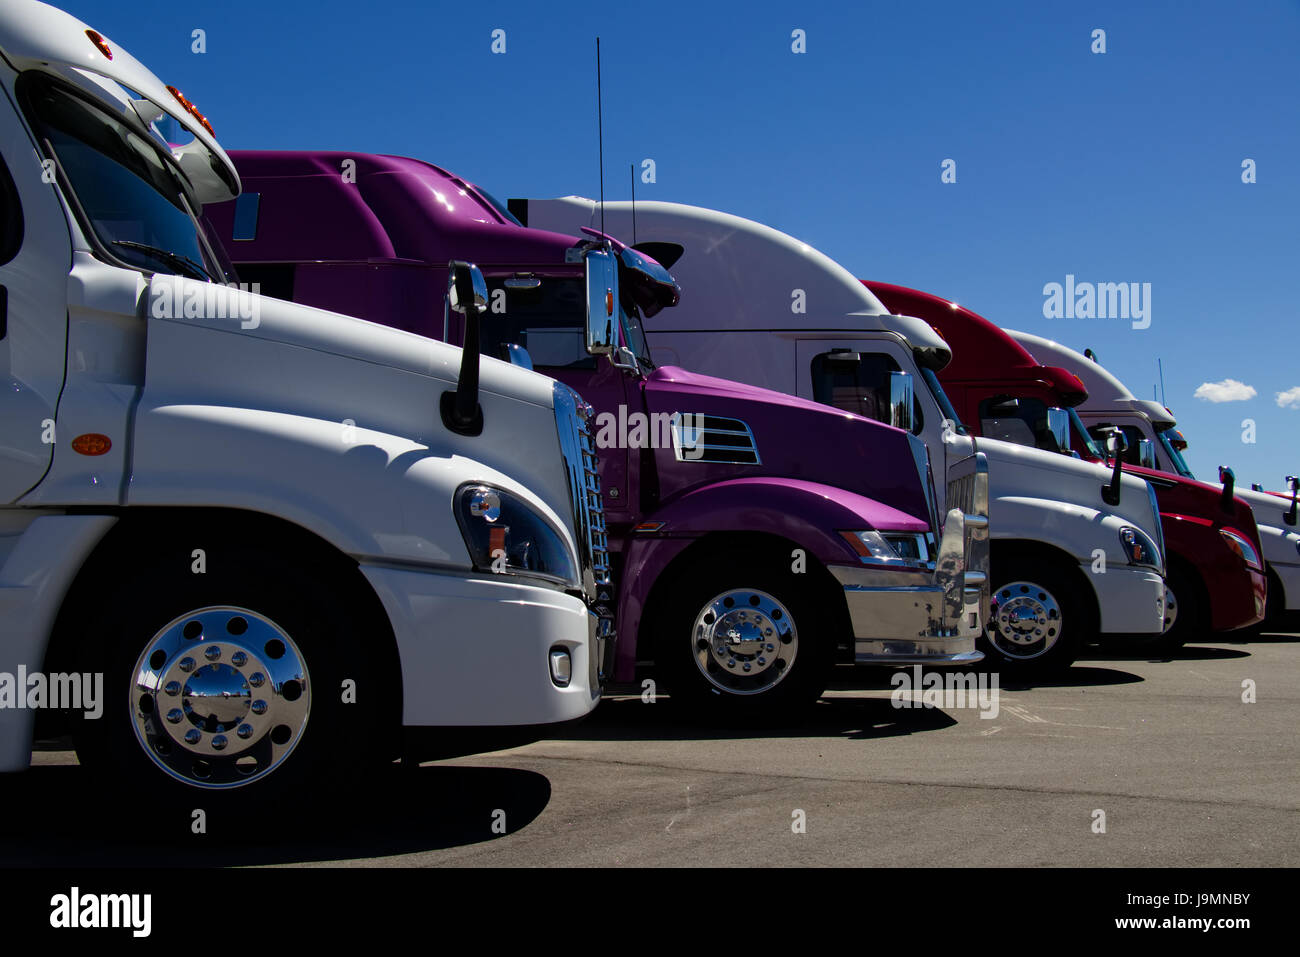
<point>1124,761</point>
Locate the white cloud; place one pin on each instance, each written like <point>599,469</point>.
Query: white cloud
<point>1229,390</point>
<point>1290,399</point>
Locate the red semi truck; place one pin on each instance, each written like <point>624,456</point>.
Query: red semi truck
<point>1216,580</point>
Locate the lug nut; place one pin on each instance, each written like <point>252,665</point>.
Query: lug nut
<point>256,679</point>
<point>175,715</point>
<point>258,706</point>
<point>212,652</point>
<point>245,731</point>
<point>219,743</point>
<point>193,736</point>
<point>173,688</point>
<point>239,659</point>
<point>187,665</point>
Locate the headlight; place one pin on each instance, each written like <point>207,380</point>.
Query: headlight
<point>894,548</point>
<point>1241,545</point>
<point>871,546</point>
<point>1138,548</point>
<point>504,535</point>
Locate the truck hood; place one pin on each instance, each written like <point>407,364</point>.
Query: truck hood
<point>1021,472</point>
<point>241,313</point>
<point>797,439</point>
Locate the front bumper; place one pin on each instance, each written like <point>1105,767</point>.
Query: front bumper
<point>902,617</point>
<point>475,650</point>
<point>917,615</point>
<point>1131,599</point>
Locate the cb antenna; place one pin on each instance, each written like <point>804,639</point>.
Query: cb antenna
<point>600,137</point>
<point>632,168</point>
<point>1161,366</point>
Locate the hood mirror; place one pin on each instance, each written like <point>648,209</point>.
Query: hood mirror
<point>466,294</point>
<point>901,399</point>
<point>1290,515</point>
<point>1116,444</point>
<point>1229,480</point>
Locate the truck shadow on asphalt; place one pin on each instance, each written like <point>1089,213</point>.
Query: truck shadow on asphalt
<point>855,719</point>
<point>49,818</point>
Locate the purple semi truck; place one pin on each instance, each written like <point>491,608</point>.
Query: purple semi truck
<point>755,538</point>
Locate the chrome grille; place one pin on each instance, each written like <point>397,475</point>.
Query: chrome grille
<point>713,438</point>
<point>572,418</point>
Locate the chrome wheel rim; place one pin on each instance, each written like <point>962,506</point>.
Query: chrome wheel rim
<point>744,641</point>
<point>1026,621</point>
<point>220,697</point>
<point>1171,610</point>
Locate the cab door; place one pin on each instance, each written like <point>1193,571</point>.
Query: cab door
<point>35,260</point>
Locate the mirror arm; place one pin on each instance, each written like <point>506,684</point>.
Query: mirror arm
<point>1290,515</point>
<point>1229,481</point>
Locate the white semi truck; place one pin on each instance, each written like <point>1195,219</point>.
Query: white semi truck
<point>1111,404</point>
<point>271,537</point>
<point>1076,550</point>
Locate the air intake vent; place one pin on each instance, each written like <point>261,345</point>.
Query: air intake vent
<point>712,438</point>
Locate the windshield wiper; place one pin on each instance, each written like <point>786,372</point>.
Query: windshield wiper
<point>175,260</point>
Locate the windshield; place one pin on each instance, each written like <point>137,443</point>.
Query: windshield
<point>941,398</point>
<point>1175,457</point>
<point>128,194</point>
<point>1090,447</point>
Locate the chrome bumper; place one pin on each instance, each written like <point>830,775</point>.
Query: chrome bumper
<point>600,629</point>
<point>904,615</point>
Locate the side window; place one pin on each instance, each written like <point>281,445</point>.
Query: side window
<point>548,320</point>
<point>11,216</point>
<point>1019,420</point>
<point>858,382</point>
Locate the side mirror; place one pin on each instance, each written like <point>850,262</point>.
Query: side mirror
<point>466,294</point>
<point>1058,423</point>
<point>1177,441</point>
<point>1116,446</point>
<point>901,399</point>
<point>1147,454</point>
<point>1229,480</point>
<point>517,355</point>
<point>602,301</point>
<point>1290,515</point>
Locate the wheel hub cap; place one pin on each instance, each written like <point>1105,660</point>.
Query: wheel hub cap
<point>220,697</point>
<point>744,641</point>
<point>1171,610</point>
<point>1026,620</point>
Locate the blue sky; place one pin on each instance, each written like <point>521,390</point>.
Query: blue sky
<point>1115,167</point>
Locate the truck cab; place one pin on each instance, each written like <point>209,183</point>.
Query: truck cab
<point>755,538</point>
<point>231,563</point>
<point>1215,579</point>
<point>1111,404</point>
<point>762,307</point>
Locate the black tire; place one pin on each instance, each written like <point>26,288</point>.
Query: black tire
<point>770,597</point>
<point>247,599</point>
<point>1049,619</point>
<point>1185,611</point>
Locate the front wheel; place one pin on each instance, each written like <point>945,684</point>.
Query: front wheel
<point>1038,620</point>
<point>248,679</point>
<point>745,640</point>
<point>1183,613</point>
